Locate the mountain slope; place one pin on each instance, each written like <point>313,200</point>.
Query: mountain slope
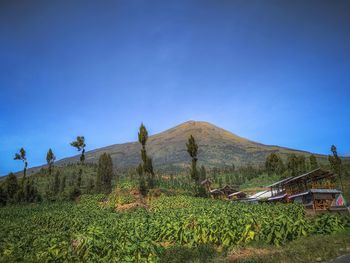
<point>217,147</point>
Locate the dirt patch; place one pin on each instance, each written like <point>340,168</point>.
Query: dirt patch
<point>245,253</point>
<point>132,206</point>
<point>166,244</point>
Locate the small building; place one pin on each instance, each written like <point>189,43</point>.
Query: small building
<point>315,189</point>
<point>216,193</point>
<point>223,192</point>
<point>237,195</point>
<point>207,184</point>
<point>227,190</point>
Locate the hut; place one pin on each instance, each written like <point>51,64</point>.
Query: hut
<point>237,195</point>
<point>227,190</point>
<point>223,192</point>
<point>207,184</point>
<point>216,193</point>
<point>315,189</point>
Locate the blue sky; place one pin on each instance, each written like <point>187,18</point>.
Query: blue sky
<point>277,72</point>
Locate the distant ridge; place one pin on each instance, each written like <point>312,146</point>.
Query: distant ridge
<point>217,148</point>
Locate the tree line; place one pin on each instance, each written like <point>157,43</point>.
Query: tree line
<point>23,190</point>
<point>14,190</point>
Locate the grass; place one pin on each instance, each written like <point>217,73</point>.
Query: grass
<point>261,181</point>
<point>305,250</point>
<point>309,249</point>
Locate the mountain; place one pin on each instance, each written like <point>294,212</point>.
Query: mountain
<point>217,147</point>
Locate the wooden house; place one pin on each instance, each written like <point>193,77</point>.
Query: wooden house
<point>207,184</point>
<point>237,195</point>
<point>315,189</point>
<point>223,192</point>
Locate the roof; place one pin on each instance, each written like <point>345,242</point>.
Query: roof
<point>315,173</point>
<point>277,197</point>
<point>300,194</point>
<point>325,191</point>
<point>236,193</point>
<point>206,181</point>
<point>261,195</point>
<point>280,182</point>
<point>215,191</point>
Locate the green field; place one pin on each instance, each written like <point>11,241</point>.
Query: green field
<point>92,231</point>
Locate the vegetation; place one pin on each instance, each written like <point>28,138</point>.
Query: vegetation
<point>104,174</point>
<point>50,159</point>
<point>146,168</point>
<point>87,232</point>
<point>21,156</point>
<point>170,228</point>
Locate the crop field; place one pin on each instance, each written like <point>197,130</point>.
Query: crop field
<point>90,232</point>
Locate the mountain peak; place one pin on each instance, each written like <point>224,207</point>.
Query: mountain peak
<point>217,148</point>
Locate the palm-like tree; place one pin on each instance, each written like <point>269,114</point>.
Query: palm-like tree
<point>21,156</point>
<point>50,159</point>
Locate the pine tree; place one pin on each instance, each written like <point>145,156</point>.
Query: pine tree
<point>336,164</point>
<point>272,163</point>
<point>313,162</point>
<point>91,186</point>
<point>142,184</point>
<point>63,184</point>
<point>80,145</point>
<point>147,165</point>
<point>56,184</point>
<point>192,149</point>
<point>50,159</point>
<point>292,164</point>
<point>31,193</point>
<point>104,174</point>
<point>3,195</point>
<point>21,156</point>
<point>301,164</point>
<point>11,187</point>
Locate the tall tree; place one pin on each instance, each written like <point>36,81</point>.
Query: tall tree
<point>273,163</point>
<point>11,186</point>
<point>31,193</point>
<point>192,149</point>
<point>56,183</point>
<point>21,156</point>
<point>313,162</point>
<point>80,145</point>
<point>63,184</point>
<point>104,174</point>
<point>3,195</point>
<point>142,184</point>
<point>301,163</point>
<point>147,165</point>
<point>292,164</point>
<point>336,163</point>
<point>50,159</point>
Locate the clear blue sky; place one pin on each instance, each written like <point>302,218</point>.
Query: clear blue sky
<point>277,72</point>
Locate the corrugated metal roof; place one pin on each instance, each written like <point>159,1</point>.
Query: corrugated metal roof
<point>280,182</point>
<point>236,193</point>
<point>325,191</point>
<point>300,194</point>
<point>303,175</point>
<point>262,194</point>
<point>277,197</point>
